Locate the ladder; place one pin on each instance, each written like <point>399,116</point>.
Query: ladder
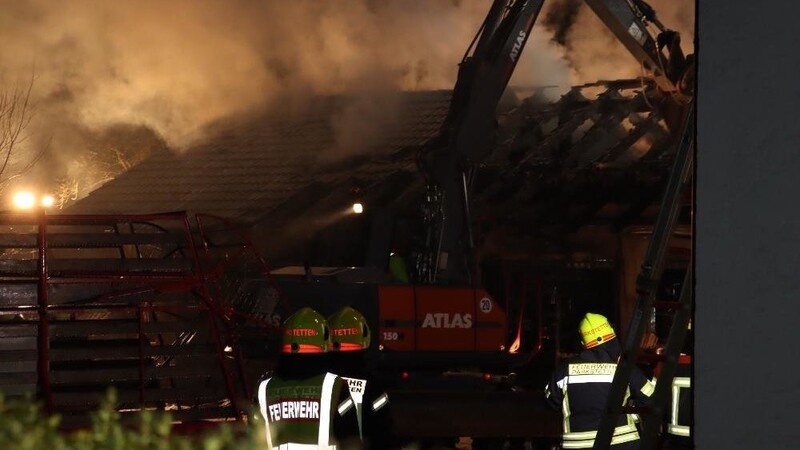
<point>646,286</point>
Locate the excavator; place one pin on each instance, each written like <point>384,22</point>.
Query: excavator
<point>445,309</point>
<point>444,321</point>
<point>148,303</point>
<point>467,136</point>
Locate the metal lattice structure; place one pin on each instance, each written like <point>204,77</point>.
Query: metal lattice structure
<point>131,302</point>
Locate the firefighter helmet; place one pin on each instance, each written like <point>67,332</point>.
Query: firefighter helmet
<point>305,331</point>
<point>595,330</point>
<point>349,330</point>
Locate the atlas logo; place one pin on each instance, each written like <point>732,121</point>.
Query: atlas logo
<point>445,320</point>
<point>518,45</point>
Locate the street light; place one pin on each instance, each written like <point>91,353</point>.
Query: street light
<point>48,201</point>
<point>24,200</point>
<point>358,196</point>
<point>29,200</point>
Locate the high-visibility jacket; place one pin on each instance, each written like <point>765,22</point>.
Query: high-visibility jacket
<point>398,268</point>
<point>679,418</point>
<point>580,389</point>
<point>369,399</point>
<point>371,406</point>
<point>301,414</point>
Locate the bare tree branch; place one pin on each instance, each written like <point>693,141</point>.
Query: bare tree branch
<point>16,113</point>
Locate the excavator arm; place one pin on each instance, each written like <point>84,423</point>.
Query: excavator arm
<point>466,137</point>
<point>467,134</point>
<point>627,20</point>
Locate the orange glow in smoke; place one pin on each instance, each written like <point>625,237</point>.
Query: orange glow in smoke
<point>518,341</point>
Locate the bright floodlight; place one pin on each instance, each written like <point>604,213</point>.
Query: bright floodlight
<point>24,200</point>
<point>48,201</point>
<point>358,208</point>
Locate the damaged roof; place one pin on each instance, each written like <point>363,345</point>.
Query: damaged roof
<point>246,168</point>
<point>587,158</point>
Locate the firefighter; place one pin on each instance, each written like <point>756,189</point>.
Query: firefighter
<point>398,268</point>
<point>679,417</point>
<point>350,336</point>
<point>579,388</point>
<point>300,401</point>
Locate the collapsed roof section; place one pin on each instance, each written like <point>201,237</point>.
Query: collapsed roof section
<point>597,156</point>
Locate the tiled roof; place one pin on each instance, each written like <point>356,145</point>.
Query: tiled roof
<point>555,164</point>
<point>246,169</point>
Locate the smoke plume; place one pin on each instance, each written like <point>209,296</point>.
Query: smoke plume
<point>560,17</point>
<point>173,67</point>
<point>591,50</point>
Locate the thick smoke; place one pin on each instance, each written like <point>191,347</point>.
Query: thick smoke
<point>172,67</point>
<point>592,51</point>
<point>175,66</point>
<point>560,17</point>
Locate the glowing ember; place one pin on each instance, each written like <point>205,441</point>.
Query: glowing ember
<point>517,343</point>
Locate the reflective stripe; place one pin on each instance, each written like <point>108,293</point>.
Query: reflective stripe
<point>632,418</point>
<point>589,373</point>
<point>302,348</point>
<point>585,439</point>
<point>565,412</point>
<point>683,382</point>
<point>345,406</point>
<point>580,379</point>
<point>349,346</point>
<point>594,343</point>
<point>678,383</point>
<point>679,430</point>
<point>380,402</point>
<point>621,439</point>
<point>581,435</point>
<point>356,387</point>
<point>676,392</point>
<point>589,443</point>
<point>648,388</point>
<point>591,369</point>
<point>323,437</point>
<point>262,403</point>
<point>293,446</point>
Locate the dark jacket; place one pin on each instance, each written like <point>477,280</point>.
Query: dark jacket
<point>375,408</point>
<point>679,416</point>
<point>579,388</point>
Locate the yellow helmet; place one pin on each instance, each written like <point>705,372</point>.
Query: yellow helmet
<point>595,330</point>
<point>305,331</point>
<point>349,330</point>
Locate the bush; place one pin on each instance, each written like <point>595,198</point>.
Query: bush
<point>24,427</point>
